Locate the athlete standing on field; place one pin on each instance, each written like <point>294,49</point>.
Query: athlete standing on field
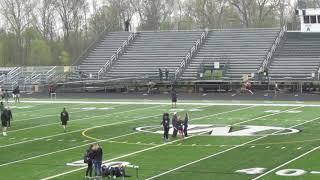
<point>174,124</point>
<point>166,126</point>
<point>4,121</point>
<point>185,125</point>
<point>64,117</point>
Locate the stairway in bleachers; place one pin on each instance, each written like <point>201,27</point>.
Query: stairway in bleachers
<point>102,52</point>
<point>243,49</point>
<point>153,50</point>
<point>297,58</point>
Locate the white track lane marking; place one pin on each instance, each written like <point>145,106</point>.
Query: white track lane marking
<point>180,103</point>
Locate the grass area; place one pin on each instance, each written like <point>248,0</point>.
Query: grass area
<point>36,146</point>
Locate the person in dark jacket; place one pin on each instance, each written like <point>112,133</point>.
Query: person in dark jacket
<point>10,116</point>
<point>166,126</point>
<point>16,94</point>
<point>185,125</point>
<point>97,159</point>
<point>89,161</point>
<point>1,107</point>
<point>127,25</point>
<point>174,124</point>
<point>174,98</point>
<point>64,117</point>
<point>4,121</point>
<point>167,74</point>
<point>180,127</point>
<point>160,74</point>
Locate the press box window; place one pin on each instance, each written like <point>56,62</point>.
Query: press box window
<point>306,19</point>
<point>313,19</point>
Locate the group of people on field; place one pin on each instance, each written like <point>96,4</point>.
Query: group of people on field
<point>179,126</point>
<point>5,95</point>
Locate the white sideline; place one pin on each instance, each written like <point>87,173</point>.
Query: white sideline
<point>22,142</point>
<point>288,162</point>
<point>68,172</point>
<point>227,150</point>
<point>180,103</point>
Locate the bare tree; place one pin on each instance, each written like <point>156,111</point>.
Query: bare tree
<point>18,15</point>
<point>44,19</point>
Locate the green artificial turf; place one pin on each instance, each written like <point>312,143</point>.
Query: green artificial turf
<point>36,146</point>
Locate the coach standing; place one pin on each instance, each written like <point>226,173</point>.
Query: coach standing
<point>97,159</point>
<point>64,117</point>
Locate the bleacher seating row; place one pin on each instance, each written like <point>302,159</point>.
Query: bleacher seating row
<point>297,58</point>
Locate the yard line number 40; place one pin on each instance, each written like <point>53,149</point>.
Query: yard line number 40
<point>283,172</point>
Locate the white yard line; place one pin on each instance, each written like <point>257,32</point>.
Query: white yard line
<point>44,125</point>
<point>75,170</point>
<point>227,150</point>
<point>42,155</point>
<point>67,149</point>
<point>116,123</point>
<point>180,103</point>
<point>286,163</point>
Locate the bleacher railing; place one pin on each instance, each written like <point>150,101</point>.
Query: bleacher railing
<point>92,45</point>
<point>186,60</point>
<point>14,75</point>
<point>116,56</point>
<point>50,74</point>
<point>272,50</point>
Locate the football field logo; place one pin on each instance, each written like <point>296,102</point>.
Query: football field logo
<point>225,130</point>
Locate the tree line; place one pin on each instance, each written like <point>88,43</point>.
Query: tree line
<point>55,32</point>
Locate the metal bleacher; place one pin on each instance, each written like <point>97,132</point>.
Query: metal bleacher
<point>243,50</point>
<point>105,49</point>
<point>153,50</point>
<point>297,58</point>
